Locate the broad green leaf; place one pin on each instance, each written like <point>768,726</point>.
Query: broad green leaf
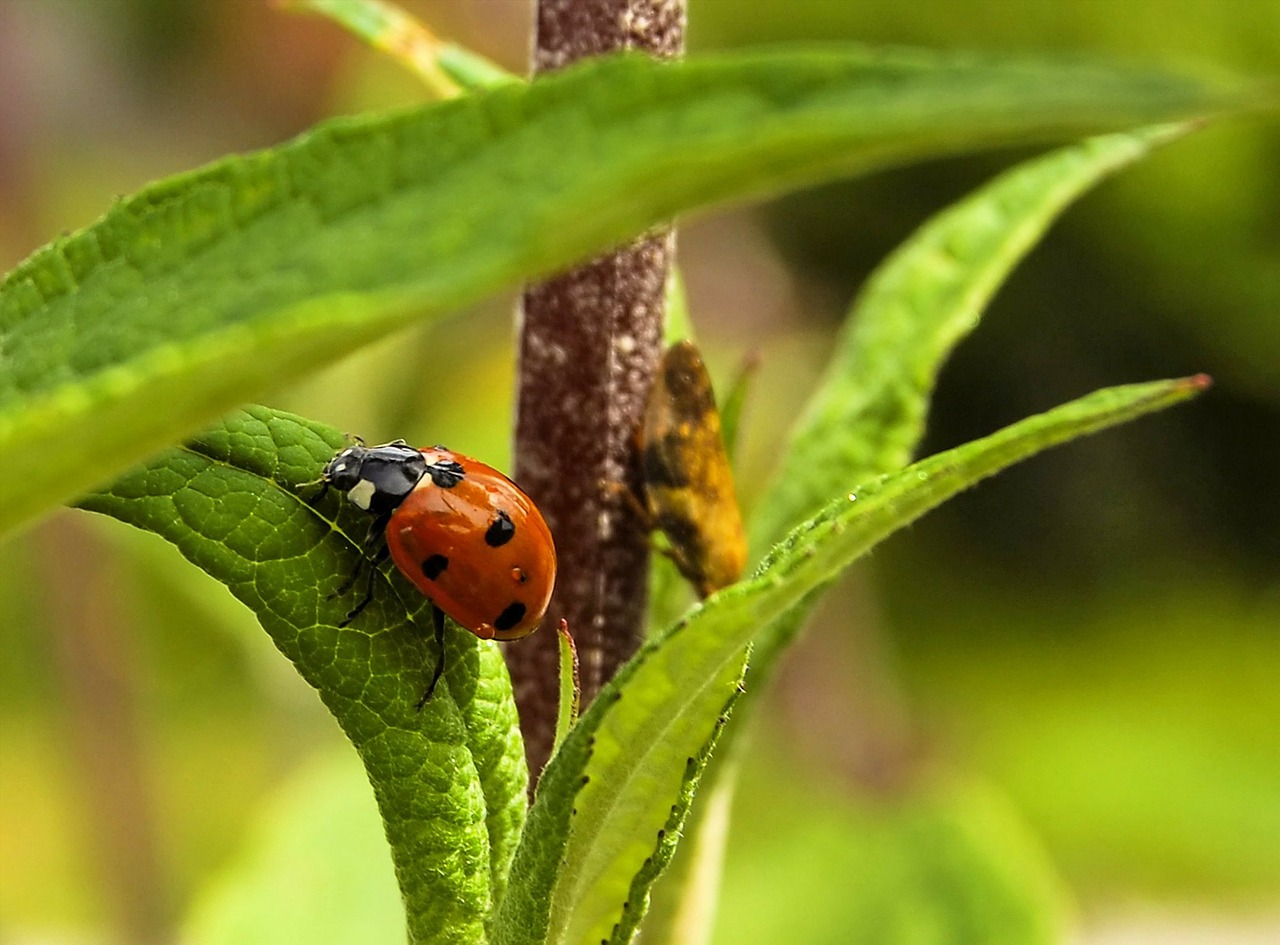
<point>316,870</point>
<point>623,773</point>
<point>206,289</point>
<point>868,412</point>
<point>450,779</point>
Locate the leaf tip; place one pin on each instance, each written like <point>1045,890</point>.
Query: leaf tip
<point>1197,382</point>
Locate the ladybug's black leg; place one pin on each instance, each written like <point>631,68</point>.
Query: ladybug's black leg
<point>437,617</point>
<point>375,545</point>
<point>375,548</point>
<point>378,557</point>
<point>315,499</point>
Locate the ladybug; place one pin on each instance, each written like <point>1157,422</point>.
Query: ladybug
<point>463,534</point>
<point>688,481</point>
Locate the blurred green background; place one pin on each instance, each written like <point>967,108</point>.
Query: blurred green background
<point>1077,663</point>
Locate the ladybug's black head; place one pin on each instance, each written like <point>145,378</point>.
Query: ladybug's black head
<point>343,471</point>
<point>376,478</point>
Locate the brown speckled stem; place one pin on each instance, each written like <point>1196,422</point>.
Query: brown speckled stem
<point>589,345</point>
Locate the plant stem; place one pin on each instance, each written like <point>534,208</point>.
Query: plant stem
<point>589,345</point>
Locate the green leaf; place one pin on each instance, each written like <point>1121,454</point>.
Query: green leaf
<point>570,685</point>
<point>683,905</point>
<point>450,779</point>
<point>675,307</point>
<point>734,402</point>
<point>445,68</point>
<point>623,773</point>
<point>316,870</point>
<point>868,413</point>
<point>206,289</point>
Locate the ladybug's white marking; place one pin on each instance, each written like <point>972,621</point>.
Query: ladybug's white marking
<point>361,494</point>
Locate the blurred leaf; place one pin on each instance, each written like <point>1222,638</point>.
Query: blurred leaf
<point>1135,729</point>
<point>868,413</point>
<point>450,780</point>
<point>670,594</point>
<point>675,306</point>
<point>734,402</point>
<point>445,68</point>
<point>317,870</point>
<point>940,866</point>
<point>611,802</point>
<point>205,289</point>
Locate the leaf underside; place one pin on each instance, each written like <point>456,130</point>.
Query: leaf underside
<point>450,780</point>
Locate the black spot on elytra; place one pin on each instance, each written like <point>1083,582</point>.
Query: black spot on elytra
<point>511,616</point>
<point>447,473</point>
<point>434,566</point>
<point>520,575</point>
<point>500,531</point>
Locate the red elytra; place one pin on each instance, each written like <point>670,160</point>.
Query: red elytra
<point>477,547</point>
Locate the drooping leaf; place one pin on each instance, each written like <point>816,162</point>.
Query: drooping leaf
<point>624,772</point>
<point>205,289</point>
<point>450,779</point>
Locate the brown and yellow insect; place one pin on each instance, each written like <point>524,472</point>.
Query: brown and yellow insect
<point>688,483</point>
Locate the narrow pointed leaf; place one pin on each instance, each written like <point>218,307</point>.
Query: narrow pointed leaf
<point>570,685</point>
<point>868,412</point>
<point>621,773</point>
<point>204,290</point>
<point>445,68</point>
<point>450,779</point>
<point>684,902</point>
